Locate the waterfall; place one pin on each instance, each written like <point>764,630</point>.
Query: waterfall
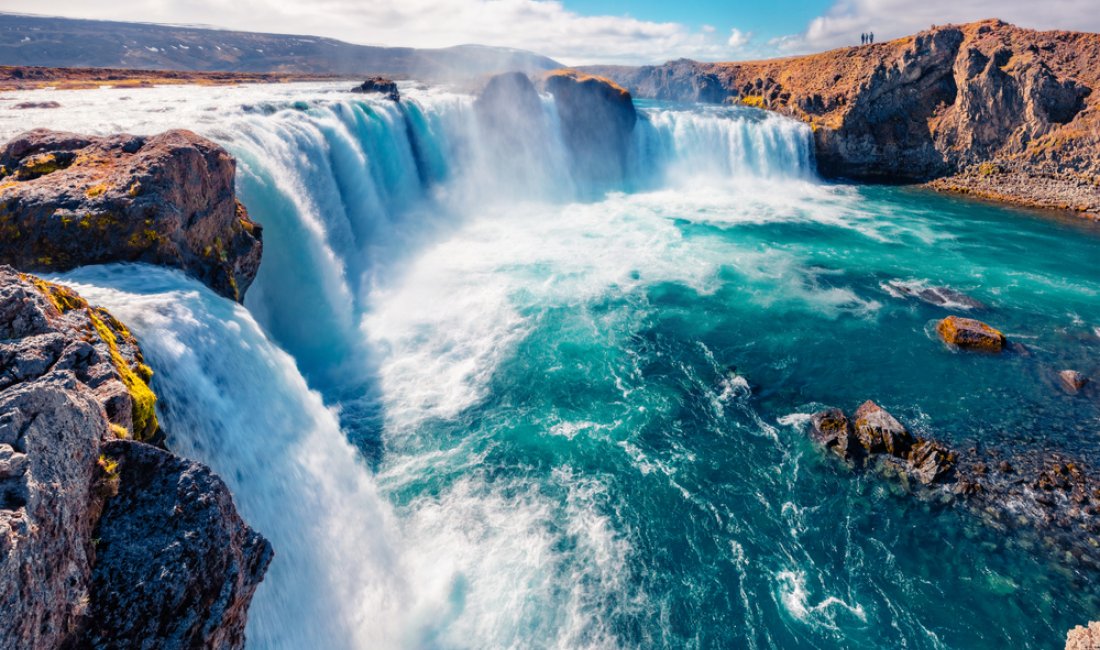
<point>351,191</point>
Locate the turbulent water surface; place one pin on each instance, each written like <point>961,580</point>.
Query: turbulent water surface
<point>476,402</point>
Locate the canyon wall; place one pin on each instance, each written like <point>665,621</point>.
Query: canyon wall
<point>985,108</point>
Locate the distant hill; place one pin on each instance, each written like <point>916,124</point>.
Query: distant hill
<point>66,42</point>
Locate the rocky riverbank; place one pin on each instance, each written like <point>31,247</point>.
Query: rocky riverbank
<point>105,540</point>
<point>986,108</point>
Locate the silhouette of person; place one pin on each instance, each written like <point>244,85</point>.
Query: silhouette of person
<point>871,37</point>
<point>863,39</point>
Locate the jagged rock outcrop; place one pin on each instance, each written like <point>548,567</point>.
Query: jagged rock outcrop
<point>1047,499</point>
<point>174,561</point>
<point>597,118</point>
<point>970,334</point>
<point>68,200</point>
<point>73,392</point>
<point>985,108</point>
<point>1072,380</point>
<point>1084,638</point>
<point>379,86</point>
<point>510,113</point>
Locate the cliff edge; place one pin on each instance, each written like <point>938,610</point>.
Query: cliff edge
<point>985,108</point>
<point>105,541</point>
<point>68,200</point>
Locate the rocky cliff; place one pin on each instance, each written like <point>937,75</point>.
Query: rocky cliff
<point>105,541</point>
<point>68,200</point>
<point>985,108</point>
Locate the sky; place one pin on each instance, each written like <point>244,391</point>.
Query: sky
<point>589,31</point>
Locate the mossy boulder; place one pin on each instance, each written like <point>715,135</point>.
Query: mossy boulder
<point>970,334</point>
<point>68,200</point>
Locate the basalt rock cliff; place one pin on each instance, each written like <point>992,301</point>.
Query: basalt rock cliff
<point>67,200</point>
<point>984,108</point>
<point>105,541</point>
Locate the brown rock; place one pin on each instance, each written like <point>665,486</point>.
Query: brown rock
<point>833,429</point>
<point>930,461</point>
<point>1084,638</point>
<point>1072,380</point>
<point>878,431</point>
<point>970,334</point>
<point>68,200</point>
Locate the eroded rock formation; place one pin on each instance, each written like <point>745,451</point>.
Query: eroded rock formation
<point>985,108</point>
<point>68,200</point>
<point>380,86</point>
<point>91,519</point>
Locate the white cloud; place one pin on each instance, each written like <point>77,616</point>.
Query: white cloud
<point>738,39</point>
<point>843,23</point>
<point>543,26</point>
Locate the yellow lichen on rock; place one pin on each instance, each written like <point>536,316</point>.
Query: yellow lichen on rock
<point>970,334</point>
<point>62,298</point>
<point>143,398</point>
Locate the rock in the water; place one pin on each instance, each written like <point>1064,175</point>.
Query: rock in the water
<point>970,334</point>
<point>1072,380</point>
<point>510,113</point>
<point>597,118</point>
<point>930,461</point>
<point>23,106</point>
<point>938,296</point>
<point>381,86</point>
<point>174,561</point>
<point>67,200</point>
<point>1084,638</point>
<point>1041,495</point>
<point>72,379</point>
<point>833,429</point>
<point>879,432</point>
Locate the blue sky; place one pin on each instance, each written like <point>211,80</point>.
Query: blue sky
<point>590,31</point>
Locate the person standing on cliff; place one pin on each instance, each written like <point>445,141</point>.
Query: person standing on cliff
<point>871,37</point>
<point>863,39</point>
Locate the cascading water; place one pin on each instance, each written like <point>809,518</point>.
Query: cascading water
<point>524,428</point>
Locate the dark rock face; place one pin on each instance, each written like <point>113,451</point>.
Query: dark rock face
<point>381,86</point>
<point>68,200</point>
<point>1045,497</point>
<point>144,583</point>
<point>72,381</point>
<point>970,334</point>
<point>597,118</point>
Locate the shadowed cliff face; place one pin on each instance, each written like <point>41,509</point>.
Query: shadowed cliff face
<point>597,118</point>
<point>104,539</point>
<point>67,200</point>
<point>990,108</point>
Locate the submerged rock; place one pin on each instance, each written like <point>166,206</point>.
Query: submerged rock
<point>1072,381</point>
<point>597,118</point>
<point>970,334</point>
<point>381,86</point>
<point>72,384</point>
<point>938,296</point>
<point>67,200</point>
